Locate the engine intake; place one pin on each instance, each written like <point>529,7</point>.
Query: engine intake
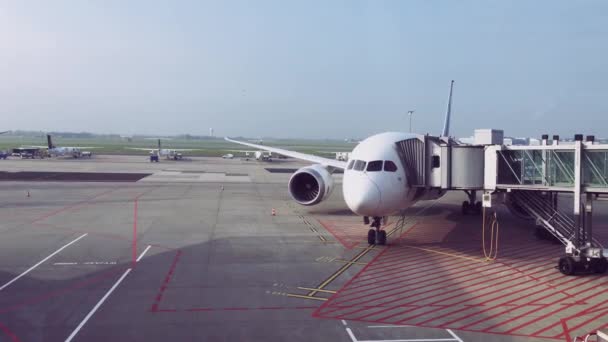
<point>310,185</point>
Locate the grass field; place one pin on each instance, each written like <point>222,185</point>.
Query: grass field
<point>203,147</point>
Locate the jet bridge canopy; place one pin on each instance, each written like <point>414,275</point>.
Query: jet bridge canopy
<point>440,163</point>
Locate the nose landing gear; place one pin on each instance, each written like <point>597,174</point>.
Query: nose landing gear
<point>376,235</point>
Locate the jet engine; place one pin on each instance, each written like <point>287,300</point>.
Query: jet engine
<point>311,184</point>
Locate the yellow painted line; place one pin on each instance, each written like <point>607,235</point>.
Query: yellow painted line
<point>341,270</point>
<point>306,297</point>
<point>320,290</point>
<point>446,253</point>
<point>350,262</point>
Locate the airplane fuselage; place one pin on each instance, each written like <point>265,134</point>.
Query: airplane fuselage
<point>375,182</point>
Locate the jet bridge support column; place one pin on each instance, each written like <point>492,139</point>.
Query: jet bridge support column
<point>582,253</point>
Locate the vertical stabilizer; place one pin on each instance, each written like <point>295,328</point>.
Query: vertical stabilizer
<point>446,123</point>
<point>49,141</point>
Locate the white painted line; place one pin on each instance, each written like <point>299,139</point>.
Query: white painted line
<point>344,322</point>
<point>454,335</point>
<point>65,263</point>
<point>352,336</point>
<point>143,253</point>
<point>92,312</point>
<point>41,262</point>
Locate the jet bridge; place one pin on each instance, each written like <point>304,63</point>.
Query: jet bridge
<point>532,178</point>
<point>529,180</point>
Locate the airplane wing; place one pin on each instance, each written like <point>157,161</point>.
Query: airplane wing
<point>302,156</point>
<point>142,148</point>
<point>168,149</point>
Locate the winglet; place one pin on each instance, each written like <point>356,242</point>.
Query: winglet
<point>446,123</point>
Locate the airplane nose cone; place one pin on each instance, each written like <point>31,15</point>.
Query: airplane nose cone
<point>362,196</point>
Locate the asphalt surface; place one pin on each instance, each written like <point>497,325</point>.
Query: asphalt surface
<point>193,252</point>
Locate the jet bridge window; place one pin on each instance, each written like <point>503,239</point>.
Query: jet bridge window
<point>375,165</point>
<point>350,164</point>
<point>390,166</point>
<point>359,165</point>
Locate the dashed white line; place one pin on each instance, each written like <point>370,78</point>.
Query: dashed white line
<point>42,261</point>
<point>65,263</point>
<point>143,253</point>
<point>344,322</point>
<point>92,312</point>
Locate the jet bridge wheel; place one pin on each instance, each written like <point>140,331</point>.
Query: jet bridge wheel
<point>599,266</point>
<point>567,265</point>
<point>465,208</point>
<point>471,209</point>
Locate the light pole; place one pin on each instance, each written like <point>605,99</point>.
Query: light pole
<point>409,113</point>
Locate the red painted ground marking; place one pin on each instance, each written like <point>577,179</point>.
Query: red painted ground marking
<point>482,303</point>
<point>163,287</point>
<point>539,307</point>
<point>335,295</point>
<point>348,241</point>
<point>520,260</point>
<point>255,308</point>
<point>80,204</point>
<point>72,287</point>
<point>384,291</point>
<point>569,317</point>
<point>538,318</point>
<point>399,280</point>
<point>9,333</point>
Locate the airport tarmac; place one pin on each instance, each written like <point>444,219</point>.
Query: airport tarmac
<point>189,251</point>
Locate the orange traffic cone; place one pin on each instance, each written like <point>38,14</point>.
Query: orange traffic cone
<point>274,212</point>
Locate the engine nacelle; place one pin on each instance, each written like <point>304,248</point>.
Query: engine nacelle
<point>311,184</point>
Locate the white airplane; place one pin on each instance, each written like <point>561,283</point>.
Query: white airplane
<point>375,183</point>
<point>173,153</point>
<point>258,155</point>
<point>228,156</point>
<point>73,151</point>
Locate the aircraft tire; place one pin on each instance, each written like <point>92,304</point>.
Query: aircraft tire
<point>382,237</point>
<point>371,236</point>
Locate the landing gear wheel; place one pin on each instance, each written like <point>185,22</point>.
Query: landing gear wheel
<point>478,208</point>
<point>599,266</point>
<point>465,207</point>
<point>567,265</point>
<point>382,237</point>
<point>371,236</point>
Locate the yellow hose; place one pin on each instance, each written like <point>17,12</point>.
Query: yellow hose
<point>493,252</point>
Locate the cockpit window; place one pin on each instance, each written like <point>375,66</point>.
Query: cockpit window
<point>350,164</point>
<point>390,166</point>
<point>359,165</point>
<point>375,165</point>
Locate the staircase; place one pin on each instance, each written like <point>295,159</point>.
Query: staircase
<point>540,207</point>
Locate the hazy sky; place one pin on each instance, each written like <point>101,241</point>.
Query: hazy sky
<point>303,68</point>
